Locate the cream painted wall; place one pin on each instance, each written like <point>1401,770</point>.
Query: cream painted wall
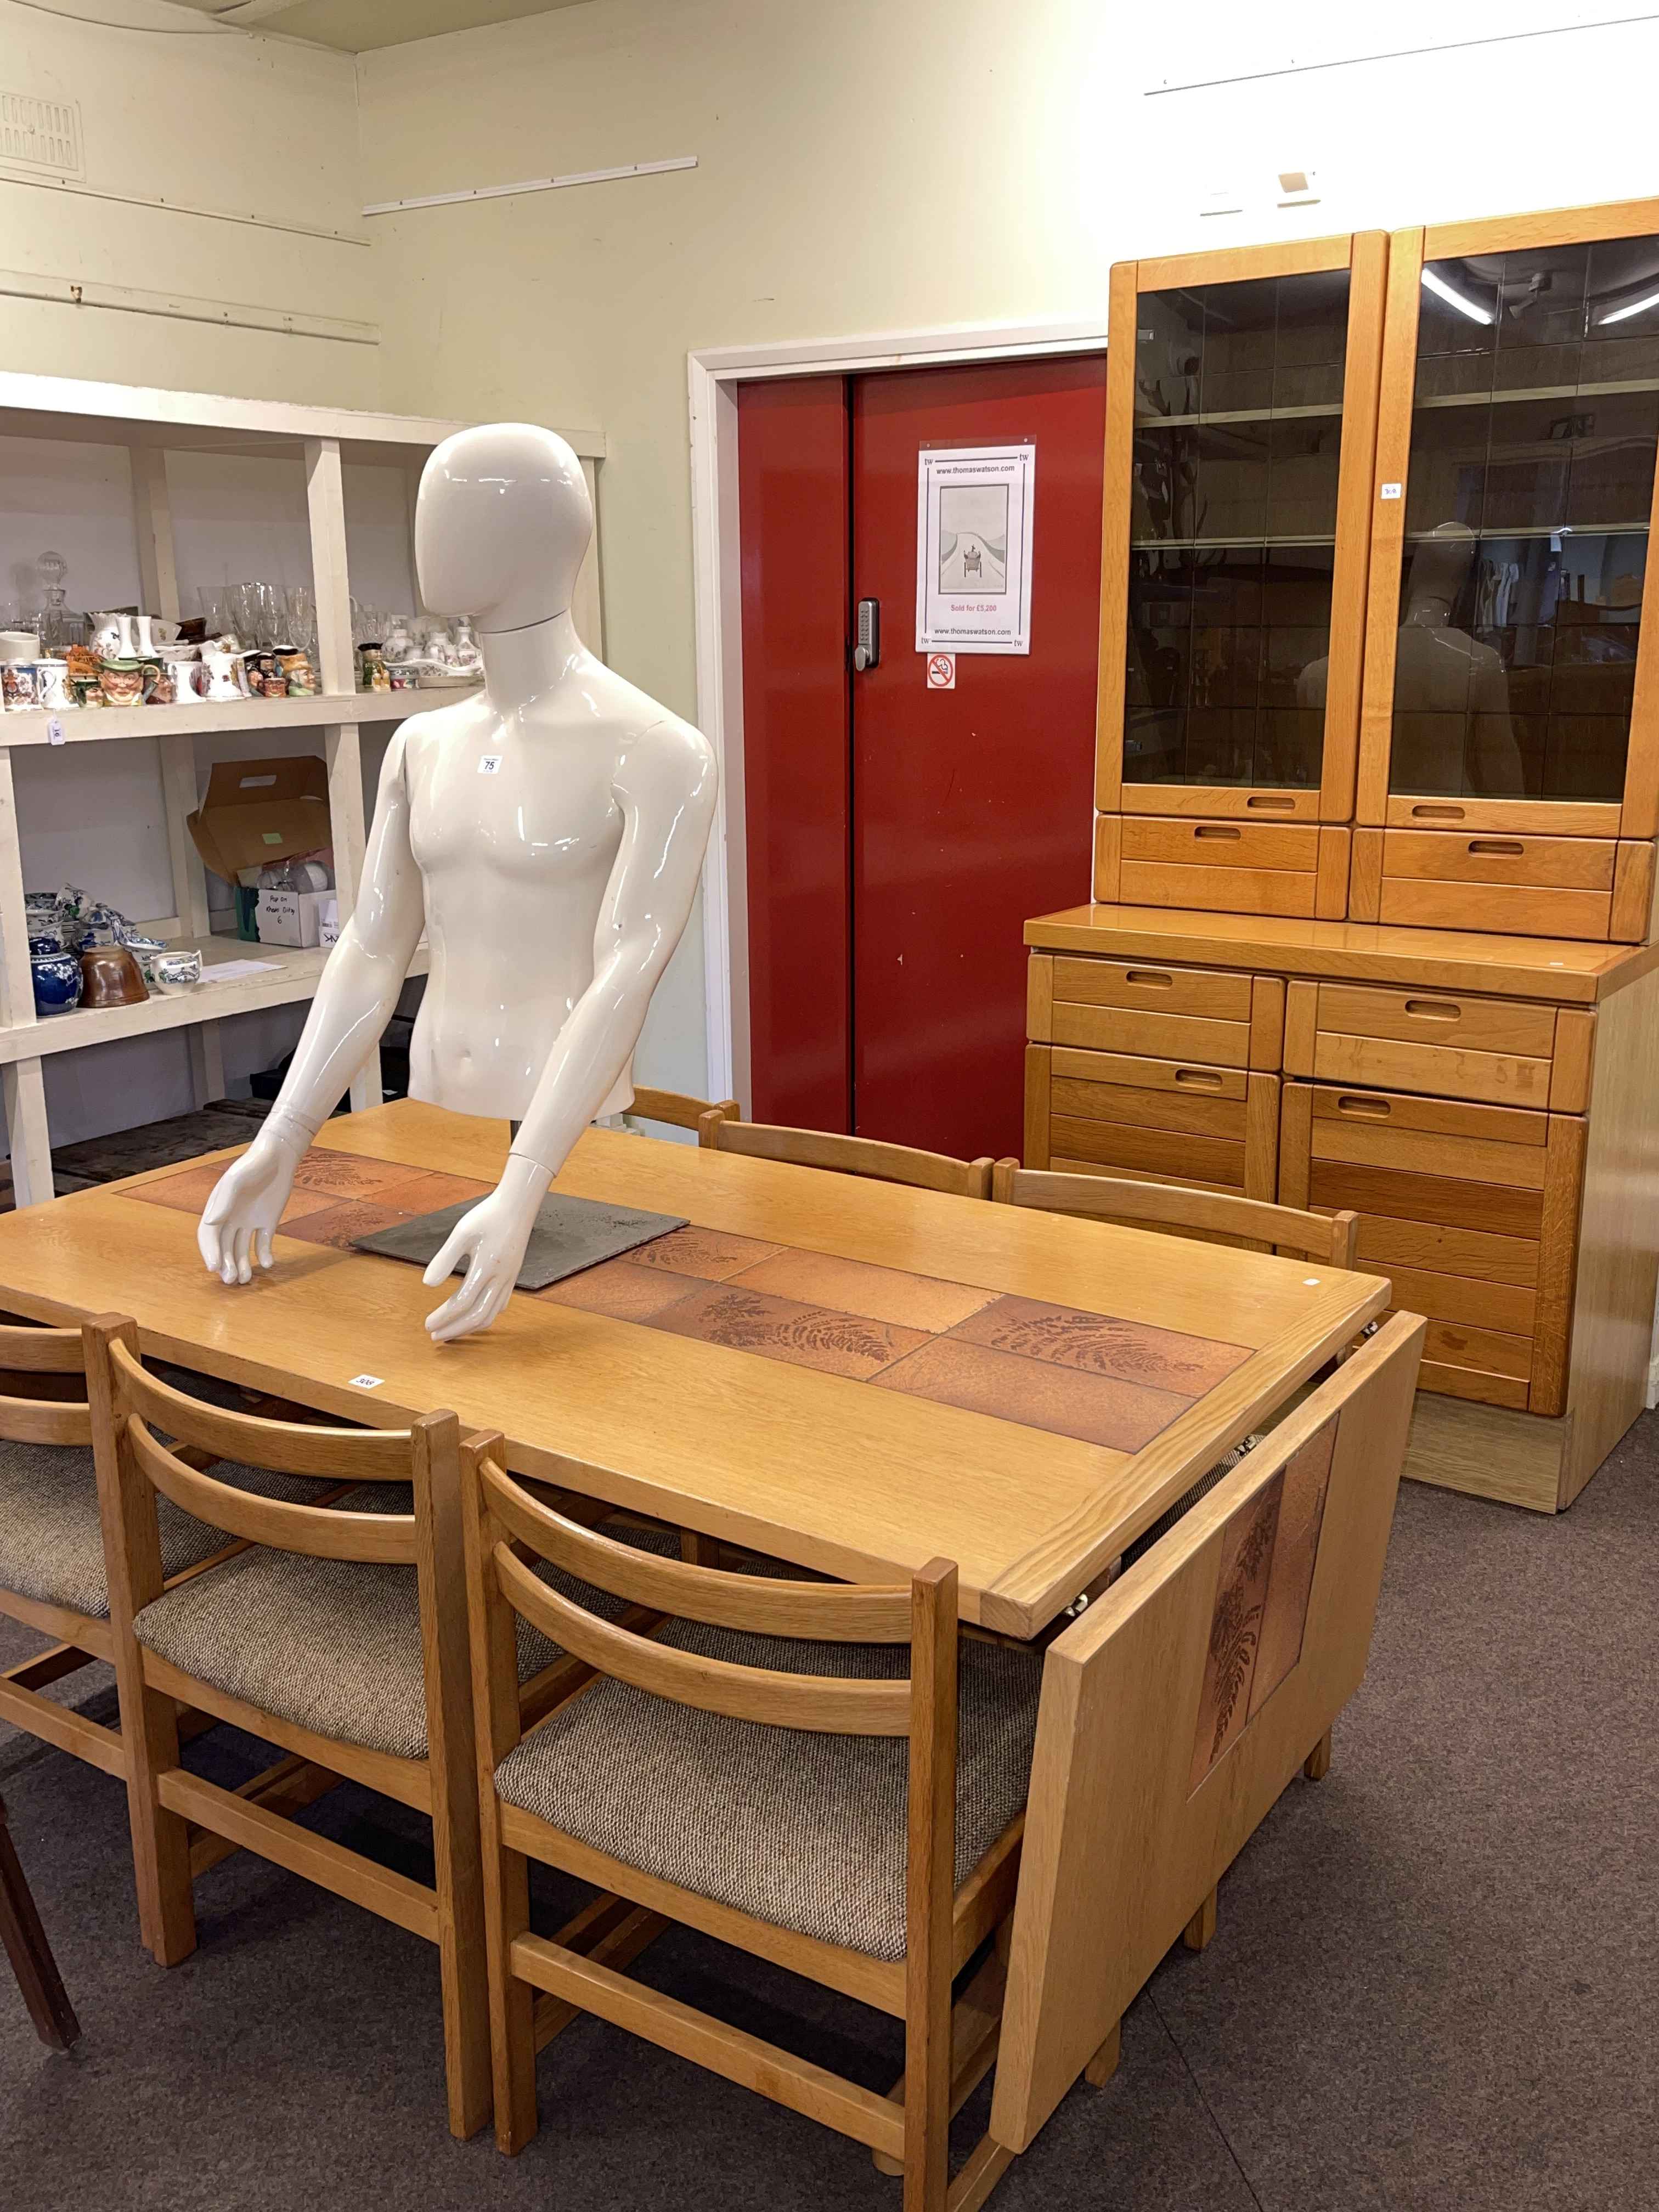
<point>871,165</point>
<point>175,110</point>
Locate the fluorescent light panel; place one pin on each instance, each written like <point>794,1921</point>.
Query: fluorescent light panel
<point>1631,307</point>
<point>1442,290</point>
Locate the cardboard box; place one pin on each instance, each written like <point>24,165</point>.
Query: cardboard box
<point>257,811</point>
<point>328,918</point>
<point>292,917</point>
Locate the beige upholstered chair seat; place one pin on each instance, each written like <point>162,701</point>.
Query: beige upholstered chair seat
<point>52,1543</point>
<point>804,1831</point>
<point>333,1645</point>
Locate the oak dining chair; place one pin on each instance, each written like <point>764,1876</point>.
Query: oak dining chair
<point>52,1574</point>
<point>1329,1238</point>
<point>778,1766</point>
<point>337,1632</point>
<point>24,1941</point>
<point>851,1155</point>
<point>678,1109</point>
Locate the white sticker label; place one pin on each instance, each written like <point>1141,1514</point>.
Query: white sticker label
<point>491,764</point>
<point>1389,491</point>
<point>367,1381</point>
<point>941,672</point>
<point>55,732</point>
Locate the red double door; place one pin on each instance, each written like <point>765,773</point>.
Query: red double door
<point>899,836</point>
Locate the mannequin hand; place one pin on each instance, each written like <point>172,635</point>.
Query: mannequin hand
<point>490,1238</point>
<point>246,1204</point>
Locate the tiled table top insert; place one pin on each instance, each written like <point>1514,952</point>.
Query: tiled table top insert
<point>1078,1374</point>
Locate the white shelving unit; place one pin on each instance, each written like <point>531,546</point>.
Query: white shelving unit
<point>150,424</point>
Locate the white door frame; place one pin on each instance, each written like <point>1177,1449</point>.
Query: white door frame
<point>713,376</point>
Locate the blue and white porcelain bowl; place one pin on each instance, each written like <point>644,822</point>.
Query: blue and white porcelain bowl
<point>57,978</point>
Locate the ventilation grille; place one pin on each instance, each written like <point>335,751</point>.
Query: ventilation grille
<point>40,134</point>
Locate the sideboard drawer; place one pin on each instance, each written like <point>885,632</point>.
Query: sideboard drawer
<point>1440,1043</point>
<point>1288,868</point>
<point>1207,993</point>
<point>1534,886</point>
<point>1471,1210</point>
<point>1175,1121</point>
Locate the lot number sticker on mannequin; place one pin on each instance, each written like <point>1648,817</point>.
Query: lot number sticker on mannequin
<point>490,764</point>
<point>941,672</point>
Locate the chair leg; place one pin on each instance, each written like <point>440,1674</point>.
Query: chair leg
<point>1202,1927</point>
<point>1101,2067</point>
<point>512,2001</point>
<point>160,1839</point>
<point>25,1943</point>
<point>463,1960</point>
<point>1317,1764</point>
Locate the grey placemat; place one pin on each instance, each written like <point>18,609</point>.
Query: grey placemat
<point>570,1234</point>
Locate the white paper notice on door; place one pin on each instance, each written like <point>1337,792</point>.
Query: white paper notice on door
<point>974,506</point>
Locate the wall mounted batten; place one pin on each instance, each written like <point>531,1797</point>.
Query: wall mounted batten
<point>533,184</point>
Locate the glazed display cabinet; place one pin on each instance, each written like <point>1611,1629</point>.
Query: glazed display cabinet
<point>1377,796</point>
<point>1242,393</point>
<point>1509,758</point>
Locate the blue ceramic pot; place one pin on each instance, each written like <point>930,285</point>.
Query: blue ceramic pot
<point>57,983</point>
<point>46,940</point>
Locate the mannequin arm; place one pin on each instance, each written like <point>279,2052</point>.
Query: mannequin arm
<point>355,1000</point>
<point>664,786</point>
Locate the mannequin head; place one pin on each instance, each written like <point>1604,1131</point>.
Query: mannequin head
<point>502,526</point>
<point>1440,567</point>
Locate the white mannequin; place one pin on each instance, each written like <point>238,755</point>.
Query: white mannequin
<point>553,887</point>
<point>1438,668</point>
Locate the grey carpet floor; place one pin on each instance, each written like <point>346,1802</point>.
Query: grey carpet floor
<point>1436,1981</point>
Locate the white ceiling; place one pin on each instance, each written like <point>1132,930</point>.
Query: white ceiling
<point>356,26</point>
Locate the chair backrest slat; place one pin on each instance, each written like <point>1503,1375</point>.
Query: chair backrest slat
<point>1326,1237</point>
<point>319,1532</point>
<point>288,1448</point>
<point>41,1351</point>
<point>679,1108</point>
<point>838,1613</point>
<point>852,1156</point>
<point>44,1421</point>
<point>826,1705</point>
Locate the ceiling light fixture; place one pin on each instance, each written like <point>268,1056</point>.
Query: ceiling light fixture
<point>1631,307</point>
<point>1442,290</point>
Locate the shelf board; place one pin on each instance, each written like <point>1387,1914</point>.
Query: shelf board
<point>291,976</point>
<point>1209,418</point>
<point>81,724</point>
<point>37,406</point>
<point>1490,399</point>
<point>1221,544</point>
<point>1499,531</point>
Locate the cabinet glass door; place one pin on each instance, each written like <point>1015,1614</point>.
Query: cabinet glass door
<point>1247,412</point>
<point>1527,494</point>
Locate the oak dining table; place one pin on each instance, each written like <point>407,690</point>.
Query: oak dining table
<point>847,1374</point>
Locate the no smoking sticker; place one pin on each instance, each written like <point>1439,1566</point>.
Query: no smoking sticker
<point>941,672</point>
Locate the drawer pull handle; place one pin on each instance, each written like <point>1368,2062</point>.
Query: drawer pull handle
<point>1437,814</point>
<point>1373,1109</point>
<point>1434,1010</point>
<point>1199,1079</point>
<point>1270,802</point>
<point>1223,830</point>
<point>1146,978</point>
<point>1501,848</point>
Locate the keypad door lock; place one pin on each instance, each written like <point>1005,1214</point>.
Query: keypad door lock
<point>867,651</point>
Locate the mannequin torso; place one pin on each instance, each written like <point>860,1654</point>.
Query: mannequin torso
<point>547,835</point>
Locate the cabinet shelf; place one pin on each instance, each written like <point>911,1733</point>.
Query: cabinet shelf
<point>1521,395</point>
<point>1222,544</point>
<point>214,717</point>
<point>284,976</point>
<point>1208,418</point>
<point>1496,531</point>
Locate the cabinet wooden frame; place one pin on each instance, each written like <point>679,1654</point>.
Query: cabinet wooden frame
<point>1363,254</point>
<point>1636,814</point>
